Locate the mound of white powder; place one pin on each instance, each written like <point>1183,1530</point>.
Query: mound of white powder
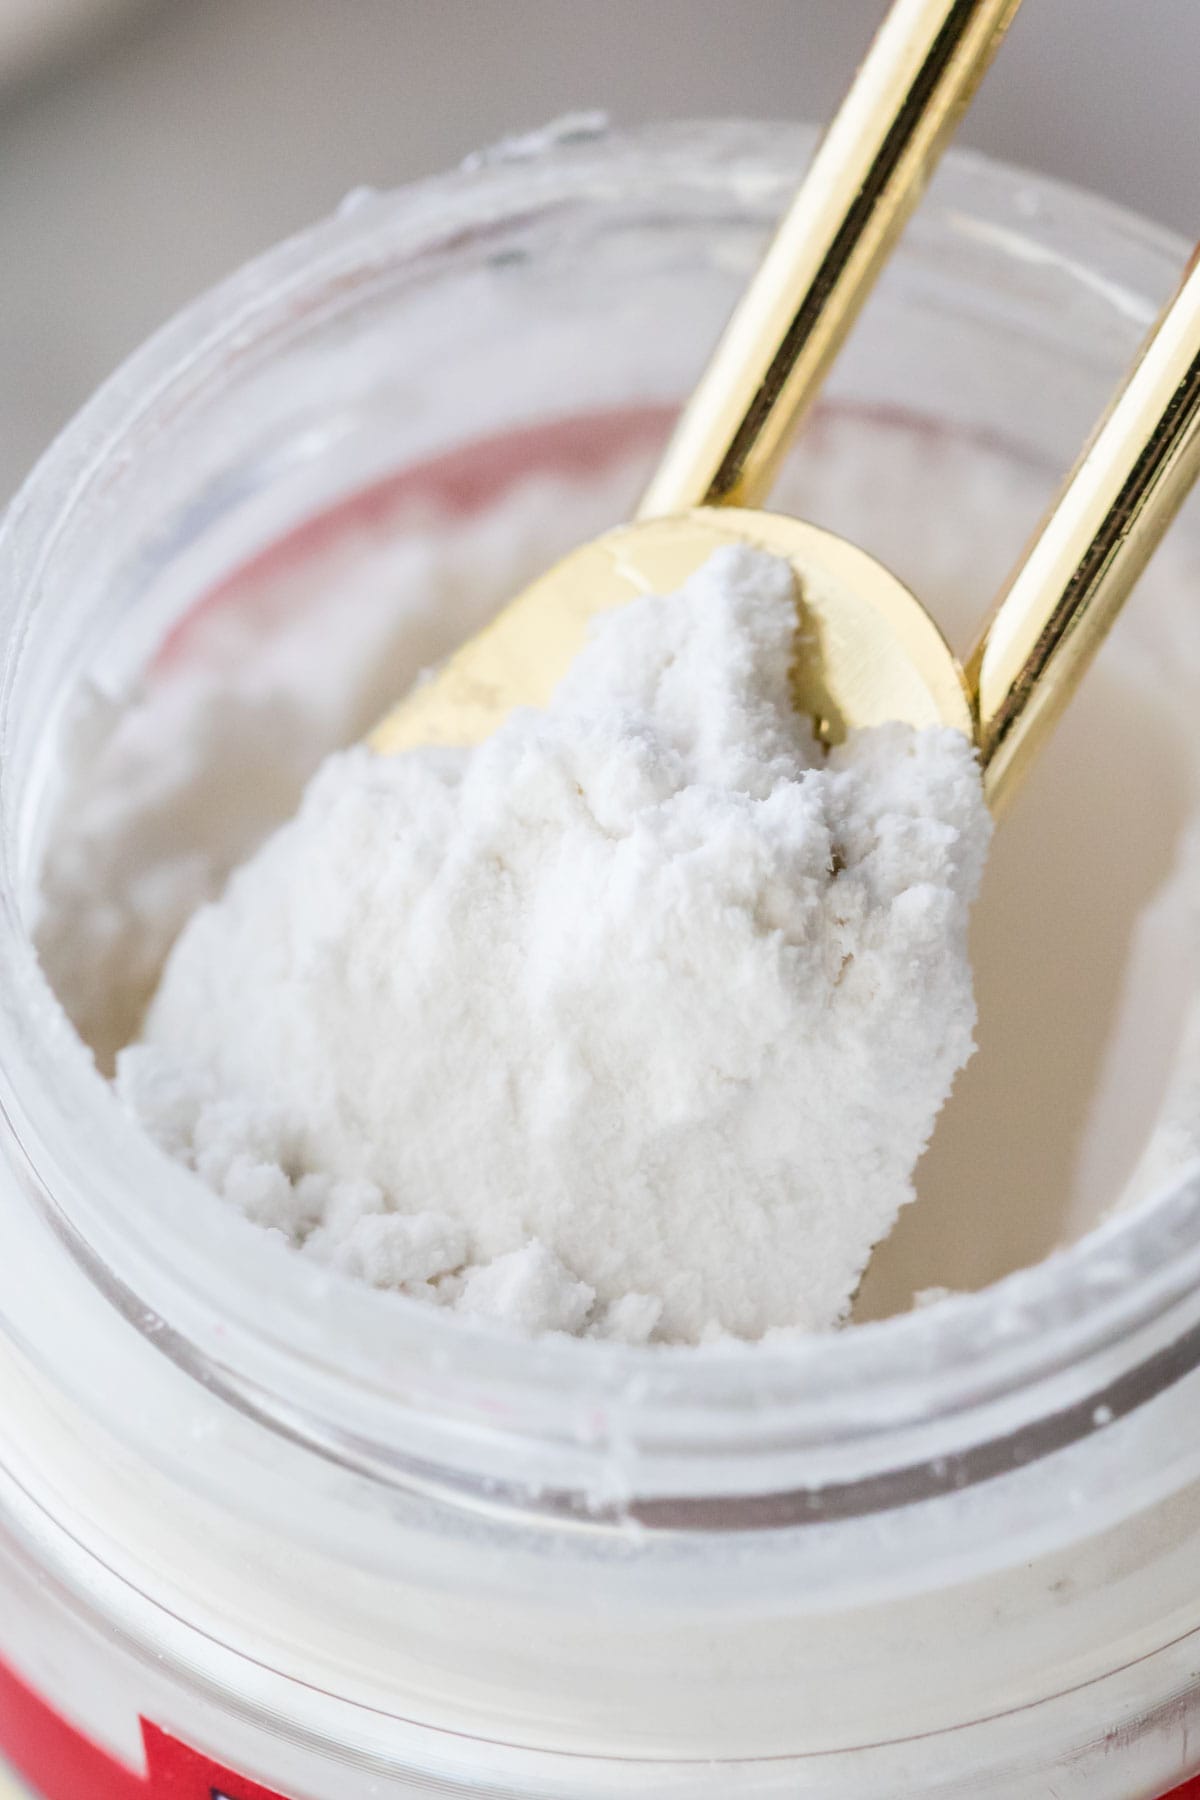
<point>632,1021</point>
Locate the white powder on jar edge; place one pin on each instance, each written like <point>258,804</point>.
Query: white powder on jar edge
<point>633,1020</point>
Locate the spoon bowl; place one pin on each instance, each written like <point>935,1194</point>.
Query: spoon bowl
<point>867,652</point>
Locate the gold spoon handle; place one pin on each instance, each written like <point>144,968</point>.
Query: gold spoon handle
<point>866,178</point>
<point>1088,552</point>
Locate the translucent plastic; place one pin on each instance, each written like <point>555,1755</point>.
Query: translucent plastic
<point>338,1542</point>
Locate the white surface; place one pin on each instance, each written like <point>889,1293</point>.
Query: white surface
<point>215,126</point>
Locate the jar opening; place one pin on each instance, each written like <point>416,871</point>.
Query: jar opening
<point>865,1420</point>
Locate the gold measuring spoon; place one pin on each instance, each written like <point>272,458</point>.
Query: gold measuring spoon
<point>869,651</point>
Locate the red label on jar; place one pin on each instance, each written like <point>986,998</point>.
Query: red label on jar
<point>63,1764</point>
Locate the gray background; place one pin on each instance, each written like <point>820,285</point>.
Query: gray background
<point>141,160</point>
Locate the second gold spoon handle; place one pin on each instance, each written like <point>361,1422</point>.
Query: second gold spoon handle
<point>866,177</point>
<point>1088,552</point>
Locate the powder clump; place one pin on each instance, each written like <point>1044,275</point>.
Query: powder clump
<point>632,1021</point>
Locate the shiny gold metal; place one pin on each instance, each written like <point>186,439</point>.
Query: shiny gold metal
<point>868,174</point>
<point>871,652</point>
<point>1088,552</point>
<point>867,651</point>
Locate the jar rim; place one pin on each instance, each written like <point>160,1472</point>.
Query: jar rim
<point>711,1436</point>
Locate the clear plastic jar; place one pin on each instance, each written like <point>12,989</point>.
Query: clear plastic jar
<point>336,1545</point>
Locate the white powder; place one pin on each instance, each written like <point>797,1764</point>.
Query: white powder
<point>172,785</point>
<point>633,1020</point>
<point>168,786</point>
